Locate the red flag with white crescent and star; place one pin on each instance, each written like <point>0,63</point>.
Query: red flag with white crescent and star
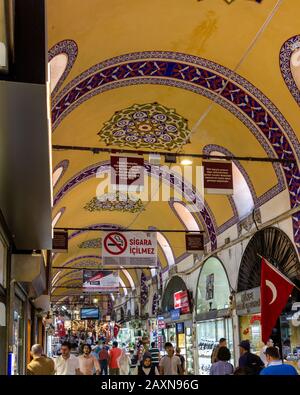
<point>275,289</point>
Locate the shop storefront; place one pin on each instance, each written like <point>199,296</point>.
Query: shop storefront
<point>248,311</point>
<point>2,337</point>
<point>152,329</point>
<point>277,248</point>
<point>3,318</point>
<point>177,318</point>
<point>126,334</point>
<point>213,313</point>
<point>19,350</point>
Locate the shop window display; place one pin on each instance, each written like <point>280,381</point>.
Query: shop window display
<point>213,289</point>
<point>3,251</point>
<point>290,335</point>
<point>189,351</point>
<point>18,333</point>
<point>208,336</point>
<point>286,334</point>
<point>213,313</point>
<point>250,329</point>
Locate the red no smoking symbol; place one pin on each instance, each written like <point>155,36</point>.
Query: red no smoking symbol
<point>115,243</point>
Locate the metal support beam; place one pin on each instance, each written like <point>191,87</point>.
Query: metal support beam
<point>97,150</point>
<point>71,287</point>
<point>104,267</point>
<point>131,230</point>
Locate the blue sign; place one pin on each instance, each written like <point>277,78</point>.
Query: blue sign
<point>179,327</point>
<point>10,364</point>
<point>175,314</point>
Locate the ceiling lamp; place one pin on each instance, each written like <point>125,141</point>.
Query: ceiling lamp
<point>186,162</point>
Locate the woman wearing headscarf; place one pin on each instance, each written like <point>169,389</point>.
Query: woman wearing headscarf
<point>124,363</point>
<point>147,368</point>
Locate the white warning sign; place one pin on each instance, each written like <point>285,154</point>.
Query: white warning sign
<point>129,249</point>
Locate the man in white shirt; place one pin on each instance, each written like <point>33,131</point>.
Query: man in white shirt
<point>66,364</point>
<point>170,364</point>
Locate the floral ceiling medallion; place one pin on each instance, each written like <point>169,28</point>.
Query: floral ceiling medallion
<point>150,125</point>
<point>115,201</point>
<point>93,243</point>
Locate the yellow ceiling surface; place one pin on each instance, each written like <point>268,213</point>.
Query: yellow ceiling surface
<point>244,37</point>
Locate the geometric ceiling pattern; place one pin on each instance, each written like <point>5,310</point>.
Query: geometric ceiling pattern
<point>149,125</point>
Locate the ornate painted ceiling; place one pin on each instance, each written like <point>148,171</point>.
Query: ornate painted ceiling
<point>180,76</point>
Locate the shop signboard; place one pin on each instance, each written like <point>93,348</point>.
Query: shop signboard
<point>129,249</point>
<point>100,280</point>
<point>160,342</point>
<point>127,172</point>
<point>179,327</point>
<point>218,178</point>
<point>175,314</point>
<point>60,241</point>
<point>248,302</point>
<point>194,242</point>
<point>181,301</point>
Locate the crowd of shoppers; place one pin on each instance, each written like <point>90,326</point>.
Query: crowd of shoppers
<point>103,360</point>
<point>249,363</point>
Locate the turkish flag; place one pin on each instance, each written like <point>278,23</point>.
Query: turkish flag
<point>275,290</point>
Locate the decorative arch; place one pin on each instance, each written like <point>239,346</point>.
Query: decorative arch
<point>175,284</point>
<point>70,49</point>
<point>258,201</point>
<point>195,216</point>
<point>159,172</point>
<point>287,50</point>
<point>184,215</point>
<point>203,77</point>
<point>274,245</point>
<point>216,296</point>
<point>58,216</point>
<point>61,167</point>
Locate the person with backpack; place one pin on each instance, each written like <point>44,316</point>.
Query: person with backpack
<point>250,362</point>
<point>103,359</point>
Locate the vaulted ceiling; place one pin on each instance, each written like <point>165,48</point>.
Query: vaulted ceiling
<point>217,76</point>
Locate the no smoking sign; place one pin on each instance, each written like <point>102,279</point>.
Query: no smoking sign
<point>129,248</point>
<point>115,243</point>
